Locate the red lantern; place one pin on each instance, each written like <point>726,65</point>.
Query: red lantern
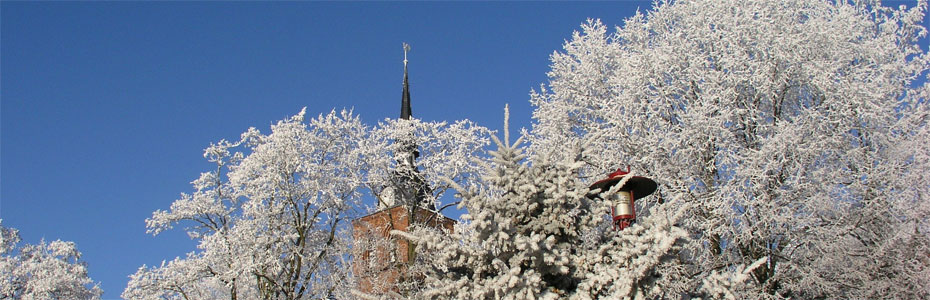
<point>623,202</point>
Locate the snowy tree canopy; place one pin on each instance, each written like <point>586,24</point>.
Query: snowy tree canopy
<point>43,271</point>
<point>268,221</point>
<point>272,217</point>
<point>789,131</point>
<point>533,232</point>
<point>443,153</point>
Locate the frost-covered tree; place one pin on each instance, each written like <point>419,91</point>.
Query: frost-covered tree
<point>268,217</point>
<point>43,271</point>
<point>443,153</point>
<point>534,230</point>
<point>793,132</point>
<point>272,217</point>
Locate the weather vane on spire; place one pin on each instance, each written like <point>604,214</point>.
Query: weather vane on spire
<point>406,49</point>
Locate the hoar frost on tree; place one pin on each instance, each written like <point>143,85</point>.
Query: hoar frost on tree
<point>51,270</point>
<point>268,221</point>
<point>792,132</point>
<point>443,154</point>
<point>272,217</point>
<point>533,230</point>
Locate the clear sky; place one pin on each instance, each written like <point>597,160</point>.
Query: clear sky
<point>106,106</point>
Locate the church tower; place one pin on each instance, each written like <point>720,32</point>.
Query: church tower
<point>381,260</point>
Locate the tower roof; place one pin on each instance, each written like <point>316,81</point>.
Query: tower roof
<point>405,111</point>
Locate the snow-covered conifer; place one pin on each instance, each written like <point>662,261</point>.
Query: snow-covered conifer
<point>532,231</point>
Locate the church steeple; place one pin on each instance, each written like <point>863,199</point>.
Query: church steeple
<point>405,201</point>
<point>408,186</point>
<point>405,112</point>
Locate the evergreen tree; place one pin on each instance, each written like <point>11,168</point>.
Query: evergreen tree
<point>534,230</point>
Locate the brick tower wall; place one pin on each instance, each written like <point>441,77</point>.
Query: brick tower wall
<point>378,270</point>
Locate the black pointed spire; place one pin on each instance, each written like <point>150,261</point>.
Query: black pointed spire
<point>405,111</point>
<point>409,186</point>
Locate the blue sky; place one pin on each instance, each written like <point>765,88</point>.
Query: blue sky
<point>105,107</point>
